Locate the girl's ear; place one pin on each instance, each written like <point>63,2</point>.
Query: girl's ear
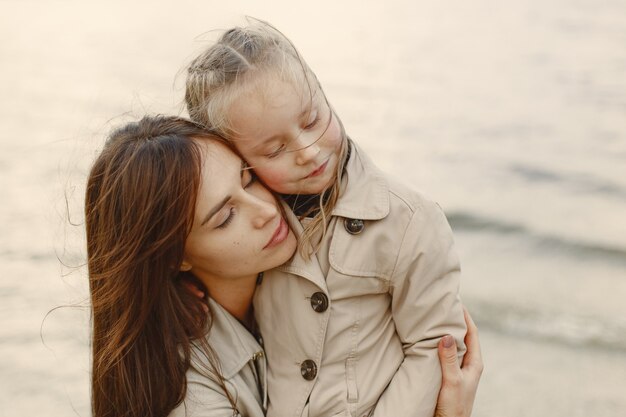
<point>185,266</point>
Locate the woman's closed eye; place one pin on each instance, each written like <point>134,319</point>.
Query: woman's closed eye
<point>248,179</point>
<point>252,178</point>
<point>227,220</point>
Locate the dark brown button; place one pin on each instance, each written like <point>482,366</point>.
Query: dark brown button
<point>308,369</point>
<point>319,302</point>
<point>354,226</point>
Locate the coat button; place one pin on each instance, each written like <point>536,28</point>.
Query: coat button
<point>354,226</point>
<point>319,302</point>
<point>308,369</point>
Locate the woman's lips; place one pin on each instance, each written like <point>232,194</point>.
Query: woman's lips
<point>279,235</point>
<point>318,171</point>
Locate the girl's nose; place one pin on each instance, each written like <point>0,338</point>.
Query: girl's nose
<point>307,153</point>
<point>263,212</point>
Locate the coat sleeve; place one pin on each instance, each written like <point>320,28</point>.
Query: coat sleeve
<point>204,399</point>
<point>425,307</point>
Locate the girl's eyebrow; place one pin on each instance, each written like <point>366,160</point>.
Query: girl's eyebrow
<point>265,142</point>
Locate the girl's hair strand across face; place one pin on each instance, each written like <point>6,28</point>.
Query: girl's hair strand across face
<point>238,62</point>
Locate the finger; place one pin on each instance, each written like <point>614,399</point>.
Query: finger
<point>448,357</point>
<point>468,319</point>
<point>473,357</point>
<point>193,289</point>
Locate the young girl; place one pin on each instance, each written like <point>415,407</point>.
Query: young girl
<point>351,323</point>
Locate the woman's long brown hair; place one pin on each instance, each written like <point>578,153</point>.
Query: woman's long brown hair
<point>139,207</point>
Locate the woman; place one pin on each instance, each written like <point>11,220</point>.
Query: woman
<point>166,203</point>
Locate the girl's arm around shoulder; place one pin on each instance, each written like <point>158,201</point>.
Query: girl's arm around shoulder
<point>425,307</point>
<point>426,279</point>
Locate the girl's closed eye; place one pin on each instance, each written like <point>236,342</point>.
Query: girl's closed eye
<point>276,152</point>
<point>313,123</point>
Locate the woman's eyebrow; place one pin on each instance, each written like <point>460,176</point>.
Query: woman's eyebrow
<point>225,200</point>
<point>215,209</point>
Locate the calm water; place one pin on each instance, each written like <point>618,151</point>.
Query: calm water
<point>512,114</point>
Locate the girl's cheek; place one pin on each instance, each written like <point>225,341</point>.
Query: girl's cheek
<point>334,134</point>
<point>274,178</point>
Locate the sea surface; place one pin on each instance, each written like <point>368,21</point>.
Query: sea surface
<point>511,114</point>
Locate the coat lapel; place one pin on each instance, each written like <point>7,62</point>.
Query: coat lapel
<point>308,269</point>
<point>365,189</point>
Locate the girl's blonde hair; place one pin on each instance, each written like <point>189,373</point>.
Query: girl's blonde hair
<point>241,58</point>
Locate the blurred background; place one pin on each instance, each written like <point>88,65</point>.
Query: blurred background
<point>510,113</point>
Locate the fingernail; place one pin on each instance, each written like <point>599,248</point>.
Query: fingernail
<point>448,341</point>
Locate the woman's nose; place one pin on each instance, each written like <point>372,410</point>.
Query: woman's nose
<point>263,212</point>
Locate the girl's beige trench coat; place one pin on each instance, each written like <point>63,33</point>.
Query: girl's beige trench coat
<point>355,331</point>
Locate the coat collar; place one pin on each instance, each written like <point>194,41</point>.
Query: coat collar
<point>309,269</point>
<point>233,344</point>
<point>365,196</point>
<point>365,192</point>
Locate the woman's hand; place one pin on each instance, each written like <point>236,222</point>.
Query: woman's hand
<point>459,384</point>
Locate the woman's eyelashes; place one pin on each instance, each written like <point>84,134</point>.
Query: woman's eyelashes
<point>226,222</point>
<point>249,178</point>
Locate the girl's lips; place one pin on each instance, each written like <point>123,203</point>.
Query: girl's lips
<point>319,170</point>
<point>279,235</point>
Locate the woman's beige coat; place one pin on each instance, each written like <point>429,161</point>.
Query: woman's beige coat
<point>243,367</point>
<point>354,332</point>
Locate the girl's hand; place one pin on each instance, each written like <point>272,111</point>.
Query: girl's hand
<point>196,291</point>
<point>459,384</point>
